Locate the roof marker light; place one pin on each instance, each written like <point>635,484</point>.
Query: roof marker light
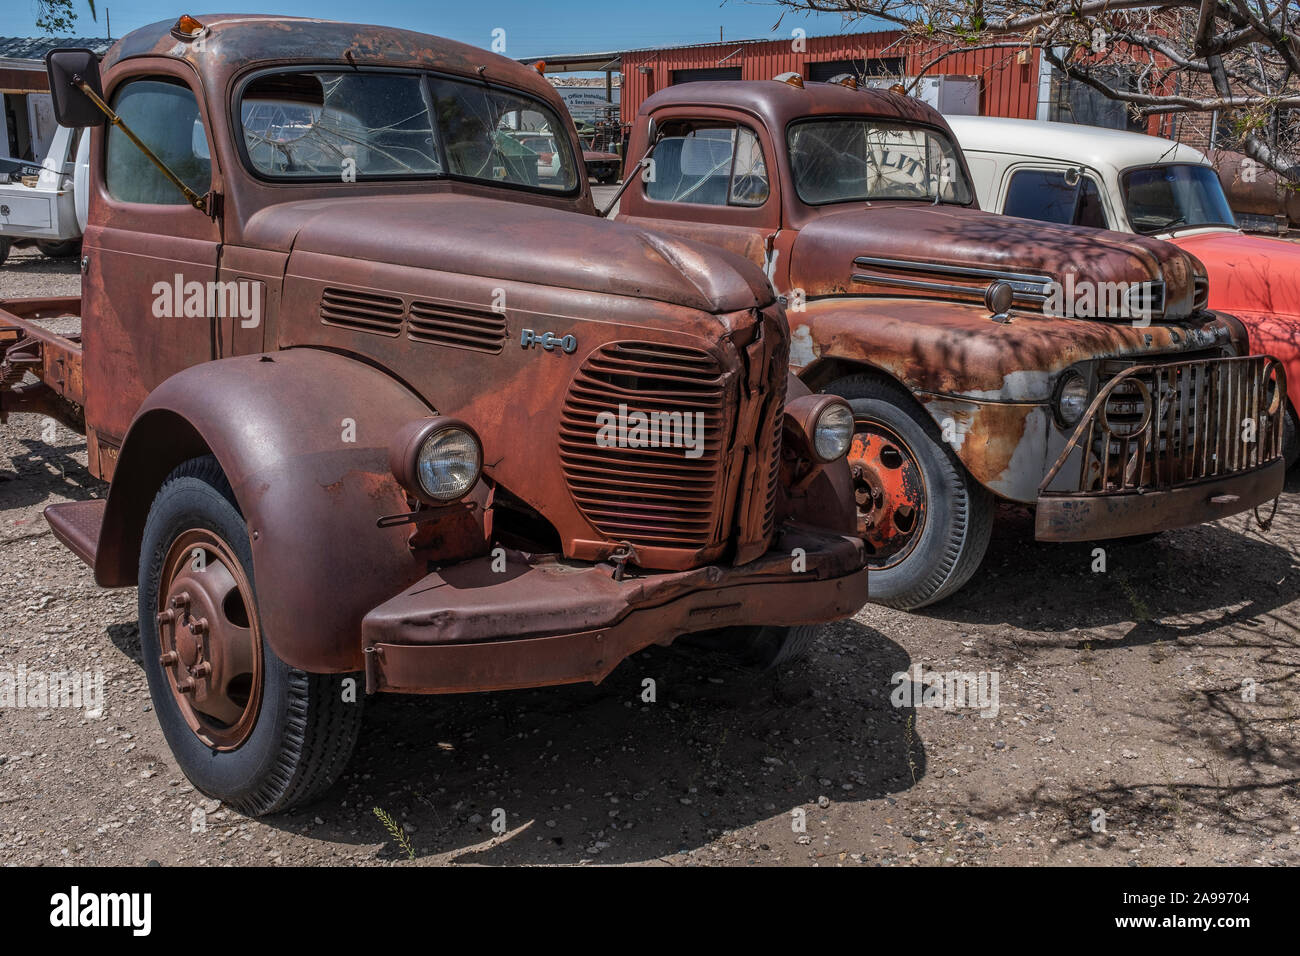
<point>844,79</point>
<point>187,28</point>
<point>794,79</point>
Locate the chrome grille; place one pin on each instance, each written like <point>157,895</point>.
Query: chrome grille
<point>1161,426</point>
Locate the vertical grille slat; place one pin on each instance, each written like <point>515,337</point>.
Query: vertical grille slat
<point>1196,428</point>
<point>651,497</point>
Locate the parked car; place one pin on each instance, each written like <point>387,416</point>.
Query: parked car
<point>45,204</point>
<point>1144,185</point>
<point>603,167</point>
<point>379,410</point>
<point>936,321</point>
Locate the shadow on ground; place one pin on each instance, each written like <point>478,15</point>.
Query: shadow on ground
<point>1208,577</point>
<point>594,772</point>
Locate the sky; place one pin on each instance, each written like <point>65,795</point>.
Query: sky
<point>533,27</point>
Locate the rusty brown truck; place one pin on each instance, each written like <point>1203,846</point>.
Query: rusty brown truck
<point>383,404</point>
<point>1072,370</point>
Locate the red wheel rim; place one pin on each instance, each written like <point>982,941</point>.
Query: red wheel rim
<point>889,488</point>
<point>209,638</point>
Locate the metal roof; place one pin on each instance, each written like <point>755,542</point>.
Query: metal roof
<point>564,62</point>
<point>35,48</point>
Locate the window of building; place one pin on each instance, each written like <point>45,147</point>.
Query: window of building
<point>863,67</point>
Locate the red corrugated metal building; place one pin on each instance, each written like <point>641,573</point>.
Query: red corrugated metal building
<point>1009,78</point>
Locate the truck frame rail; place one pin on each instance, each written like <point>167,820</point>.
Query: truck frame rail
<point>54,359</point>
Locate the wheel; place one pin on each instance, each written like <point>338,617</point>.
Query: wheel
<point>924,520</point>
<point>1290,436</point>
<point>59,250</point>
<point>4,249</point>
<point>244,726</point>
<point>761,646</point>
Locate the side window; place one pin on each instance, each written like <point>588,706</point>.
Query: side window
<point>710,164</point>
<point>165,115</point>
<point>1043,194</point>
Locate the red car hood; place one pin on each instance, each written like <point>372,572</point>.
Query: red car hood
<point>1248,273</point>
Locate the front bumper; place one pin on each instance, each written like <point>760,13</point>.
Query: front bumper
<point>1167,446</point>
<point>1097,517</point>
<point>540,621</point>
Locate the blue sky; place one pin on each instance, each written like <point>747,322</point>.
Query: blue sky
<point>532,26</point>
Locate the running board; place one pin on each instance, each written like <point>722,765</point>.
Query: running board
<point>76,524</point>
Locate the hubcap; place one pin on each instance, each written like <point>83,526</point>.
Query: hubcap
<point>211,645</point>
<point>890,493</point>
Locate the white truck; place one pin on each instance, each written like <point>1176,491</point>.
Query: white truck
<point>45,204</point>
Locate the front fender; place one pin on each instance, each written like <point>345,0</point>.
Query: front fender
<point>302,435</point>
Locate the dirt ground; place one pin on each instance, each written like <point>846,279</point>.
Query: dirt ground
<point>1121,736</point>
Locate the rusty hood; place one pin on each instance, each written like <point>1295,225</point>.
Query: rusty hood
<point>471,235</point>
<point>954,251</point>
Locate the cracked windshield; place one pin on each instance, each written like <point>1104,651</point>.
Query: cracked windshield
<point>358,126</point>
<point>853,160</point>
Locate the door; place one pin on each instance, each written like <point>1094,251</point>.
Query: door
<point>149,257</point>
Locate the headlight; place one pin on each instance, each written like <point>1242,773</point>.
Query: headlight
<point>1071,399</point>
<point>820,427</point>
<point>448,463</point>
<point>436,460</point>
<point>834,432</point>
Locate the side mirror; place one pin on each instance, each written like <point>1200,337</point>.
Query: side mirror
<point>72,107</point>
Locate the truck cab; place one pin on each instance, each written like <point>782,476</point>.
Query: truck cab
<point>384,406</point>
<point>1074,371</point>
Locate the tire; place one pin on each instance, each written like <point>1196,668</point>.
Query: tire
<point>905,470</point>
<point>295,732</point>
<point>65,249</point>
<point>760,646</point>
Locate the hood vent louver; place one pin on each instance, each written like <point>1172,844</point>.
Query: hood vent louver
<point>479,331</point>
<point>362,311</point>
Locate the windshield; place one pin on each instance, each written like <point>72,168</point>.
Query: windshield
<point>850,160</point>
<point>1159,198</point>
<point>358,126</point>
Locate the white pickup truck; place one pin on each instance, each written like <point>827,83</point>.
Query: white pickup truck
<point>46,204</point>
<point>1130,182</point>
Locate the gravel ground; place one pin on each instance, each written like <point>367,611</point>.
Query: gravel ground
<point>1119,693</point>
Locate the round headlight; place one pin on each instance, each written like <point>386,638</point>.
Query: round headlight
<point>1071,399</point>
<point>833,432</point>
<point>448,463</point>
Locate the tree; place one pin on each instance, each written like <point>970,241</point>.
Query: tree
<point>58,16</point>
<point>1239,59</point>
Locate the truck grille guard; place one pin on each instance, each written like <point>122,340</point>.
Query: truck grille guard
<point>1156,427</point>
